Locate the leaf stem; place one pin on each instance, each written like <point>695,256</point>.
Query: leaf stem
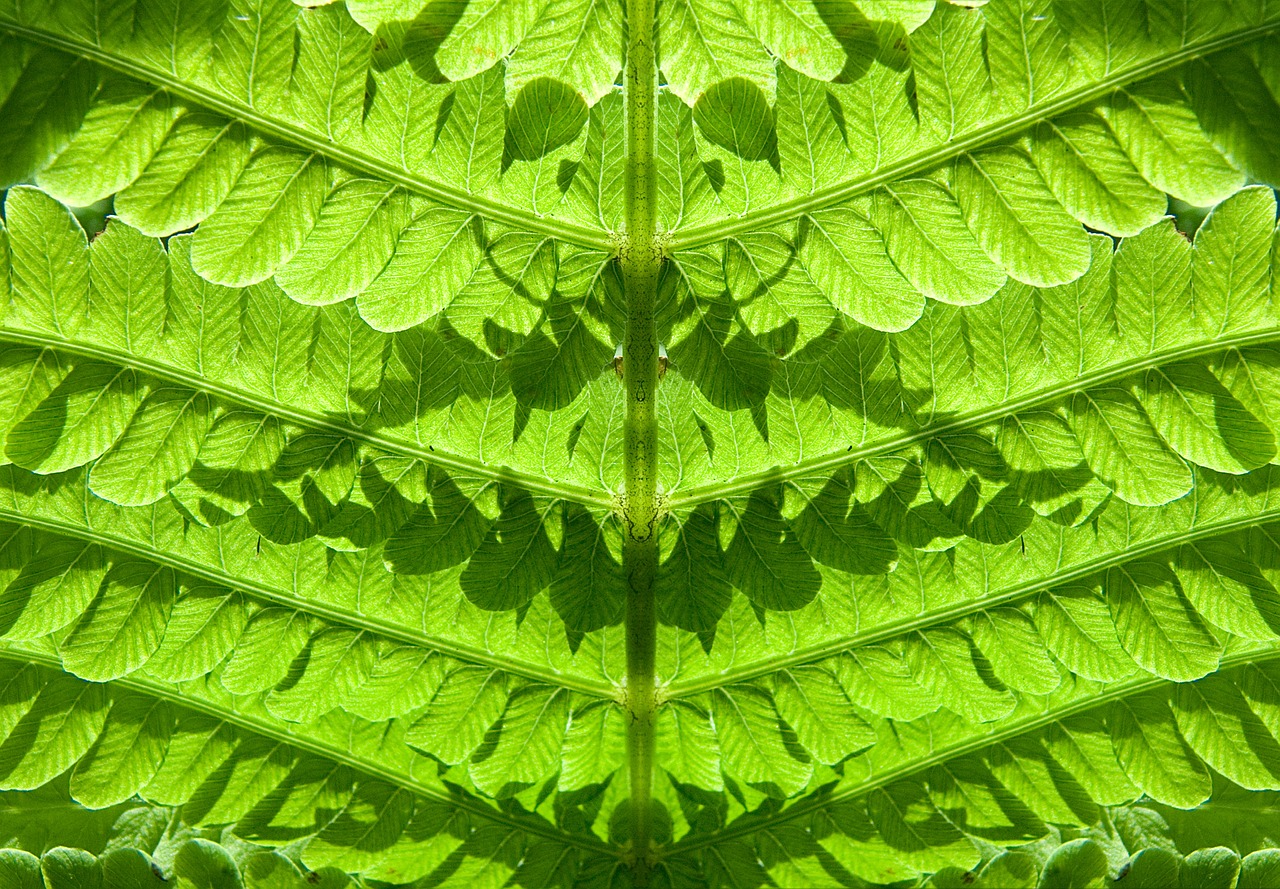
<point>641,260</point>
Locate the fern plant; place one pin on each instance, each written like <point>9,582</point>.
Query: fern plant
<point>723,443</point>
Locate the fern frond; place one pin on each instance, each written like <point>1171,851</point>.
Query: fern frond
<point>618,443</point>
<point>1120,353</point>
<point>952,202</point>
<point>127,303</point>
<point>935,792</point>
<point>361,804</point>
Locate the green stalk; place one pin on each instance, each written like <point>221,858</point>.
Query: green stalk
<point>641,260</point>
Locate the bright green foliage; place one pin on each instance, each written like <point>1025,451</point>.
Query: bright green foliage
<point>58,845</point>
<point>320,528</point>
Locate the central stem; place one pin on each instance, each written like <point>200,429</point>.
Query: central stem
<point>641,261</point>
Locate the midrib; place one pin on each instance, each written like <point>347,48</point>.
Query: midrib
<point>640,256</point>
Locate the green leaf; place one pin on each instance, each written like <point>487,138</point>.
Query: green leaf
<point>838,532</point>
<point>1160,132</point>
<point>1217,866</point>
<point>911,824</point>
<point>63,722</point>
<point>845,255</point>
<point>1257,868</point>
<point>692,589</point>
<point>1078,863</point>
<point>203,627</point>
<point>527,749</point>
<point>20,869</point>
<point>1229,279</point>
<point>544,115</point>
<point>126,755</point>
<point>28,378</point>
<point>1155,624</point>
<point>65,868</point>
<point>117,140</point>
<point>52,589</point>
<point>187,177</point>
<point>122,626</point>
<point>469,701</point>
<point>353,238</point>
<point>1226,588</point>
<point>575,43</point>
<point>927,240</point>
<point>515,561</point>
<point>363,831</point>
<point>1077,628</point>
<point>78,421</point>
<point>706,43</point>
<point>753,746</point>
<point>942,662</point>
<point>814,704</point>
<point>272,638</point>
<point>810,143</point>
<point>594,746</point>
<point>1017,220</point>
<point>1202,422</point>
<point>1154,867</point>
<point>264,219</point>
<point>469,145</point>
<point>1217,722</point>
<point>687,745</point>
<point>479,30</point>
<point>587,589</point>
<point>509,288</point>
<point>1016,650</point>
<point>767,562</point>
<point>46,104</point>
<point>338,662</point>
<point>1122,446</point>
<point>130,869</point>
<point>1154,755</point>
<point>157,450</point>
<point>1092,176</point>
<point>205,865</point>
<point>436,255</point>
<point>442,533</point>
<point>735,115</point>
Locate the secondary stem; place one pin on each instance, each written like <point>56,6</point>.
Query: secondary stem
<point>641,261</point>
